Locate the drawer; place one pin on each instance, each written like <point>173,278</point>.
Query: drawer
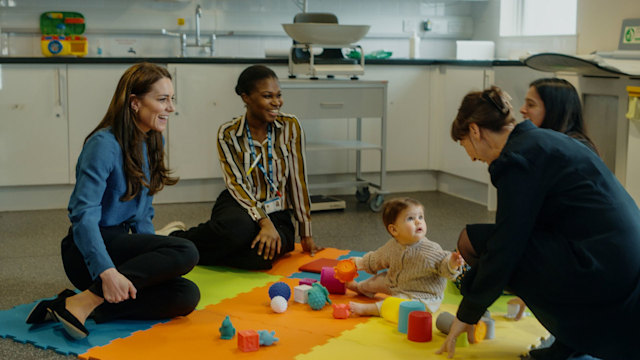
<point>333,103</point>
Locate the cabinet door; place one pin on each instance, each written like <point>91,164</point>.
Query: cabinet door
<point>33,126</point>
<point>408,118</point>
<point>205,99</point>
<point>450,84</point>
<point>91,88</point>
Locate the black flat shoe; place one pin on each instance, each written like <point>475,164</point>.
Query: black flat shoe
<point>39,314</point>
<point>70,323</point>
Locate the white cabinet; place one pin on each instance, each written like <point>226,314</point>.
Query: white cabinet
<point>33,127</point>
<point>91,87</point>
<point>205,99</point>
<point>449,86</point>
<point>408,104</point>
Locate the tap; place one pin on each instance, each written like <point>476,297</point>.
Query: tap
<point>198,16</point>
<point>199,44</point>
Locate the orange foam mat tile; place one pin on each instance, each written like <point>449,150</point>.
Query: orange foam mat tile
<point>380,339</point>
<point>290,263</point>
<point>298,329</point>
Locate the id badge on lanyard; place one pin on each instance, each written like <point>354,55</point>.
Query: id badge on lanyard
<point>275,203</point>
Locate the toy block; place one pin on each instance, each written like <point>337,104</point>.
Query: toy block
<point>248,340</point>
<point>301,293</point>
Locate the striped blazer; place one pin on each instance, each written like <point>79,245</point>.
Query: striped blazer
<point>288,166</point>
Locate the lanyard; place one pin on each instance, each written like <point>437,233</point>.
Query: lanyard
<point>268,175</point>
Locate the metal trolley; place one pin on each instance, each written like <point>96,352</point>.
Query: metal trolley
<point>344,99</point>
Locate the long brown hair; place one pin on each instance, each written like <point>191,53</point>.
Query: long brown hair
<point>490,109</point>
<point>137,80</point>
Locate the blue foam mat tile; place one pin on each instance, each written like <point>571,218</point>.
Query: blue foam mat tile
<point>52,336</point>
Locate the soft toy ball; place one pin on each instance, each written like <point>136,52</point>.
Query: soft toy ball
<point>279,304</point>
<point>280,289</point>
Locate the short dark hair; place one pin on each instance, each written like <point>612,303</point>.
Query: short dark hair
<point>250,76</point>
<point>392,208</point>
<point>488,108</point>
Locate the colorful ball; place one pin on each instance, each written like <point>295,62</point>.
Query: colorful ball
<point>279,304</point>
<point>280,289</point>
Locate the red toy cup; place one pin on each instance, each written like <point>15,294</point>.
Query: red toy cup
<point>419,326</point>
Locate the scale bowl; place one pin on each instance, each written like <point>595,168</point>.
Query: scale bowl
<point>325,34</point>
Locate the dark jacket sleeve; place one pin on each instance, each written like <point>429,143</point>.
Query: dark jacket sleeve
<point>521,192</point>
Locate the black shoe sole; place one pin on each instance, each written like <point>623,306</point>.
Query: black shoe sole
<point>70,323</point>
<point>39,314</point>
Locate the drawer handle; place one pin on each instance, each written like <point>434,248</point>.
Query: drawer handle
<point>331,105</point>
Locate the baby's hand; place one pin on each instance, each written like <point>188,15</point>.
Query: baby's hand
<point>456,260</point>
<point>356,261</point>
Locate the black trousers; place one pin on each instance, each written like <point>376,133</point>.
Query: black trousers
<point>153,263</point>
<point>226,238</point>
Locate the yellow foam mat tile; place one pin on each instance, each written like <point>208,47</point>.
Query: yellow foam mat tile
<point>380,339</point>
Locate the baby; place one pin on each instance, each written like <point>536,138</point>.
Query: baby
<point>417,267</point>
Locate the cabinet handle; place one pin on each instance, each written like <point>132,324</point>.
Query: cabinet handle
<point>331,105</point>
<point>175,86</point>
<point>59,87</point>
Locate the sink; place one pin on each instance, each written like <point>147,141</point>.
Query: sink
<point>325,34</point>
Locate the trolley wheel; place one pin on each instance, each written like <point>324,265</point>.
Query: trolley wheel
<point>363,194</point>
<point>376,203</point>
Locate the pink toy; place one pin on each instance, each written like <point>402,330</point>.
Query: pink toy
<point>346,270</point>
<point>307,281</point>
<point>341,311</point>
<point>248,340</point>
<point>328,280</point>
<point>419,326</point>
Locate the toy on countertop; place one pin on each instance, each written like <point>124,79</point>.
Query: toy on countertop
<point>318,296</point>
<point>345,270</point>
<point>279,304</point>
<point>227,331</point>
<point>341,311</point>
<point>267,338</point>
<point>62,34</point>
<point>280,289</point>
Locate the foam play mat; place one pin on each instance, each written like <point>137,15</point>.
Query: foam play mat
<point>302,333</point>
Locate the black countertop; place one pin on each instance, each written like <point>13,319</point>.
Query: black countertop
<point>232,60</point>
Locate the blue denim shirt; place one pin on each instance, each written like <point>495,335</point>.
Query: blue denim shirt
<point>95,201</point>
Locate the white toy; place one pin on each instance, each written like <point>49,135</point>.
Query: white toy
<point>279,304</point>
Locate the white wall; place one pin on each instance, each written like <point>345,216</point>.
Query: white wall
<point>245,28</point>
<point>600,22</point>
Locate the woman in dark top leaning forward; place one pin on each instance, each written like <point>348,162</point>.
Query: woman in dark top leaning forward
<point>566,238</point>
